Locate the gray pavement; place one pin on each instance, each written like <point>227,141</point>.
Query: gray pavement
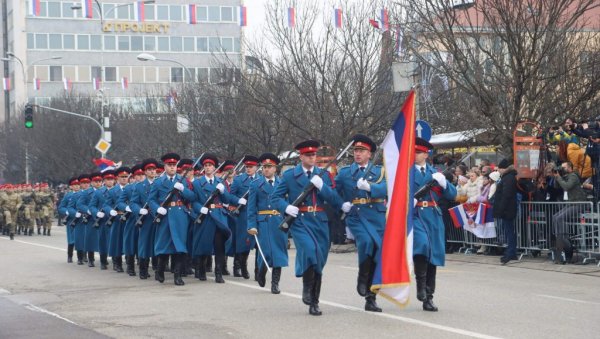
<point>43,296</point>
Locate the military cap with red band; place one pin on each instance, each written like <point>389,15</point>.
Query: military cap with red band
<point>170,158</point>
<point>185,164</point>
<point>84,179</point>
<point>123,171</point>
<point>209,158</point>
<point>422,145</point>
<point>149,163</point>
<point>73,181</point>
<point>96,176</point>
<point>110,174</point>
<point>308,146</point>
<point>250,160</point>
<point>137,169</point>
<point>364,142</point>
<point>268,159</point>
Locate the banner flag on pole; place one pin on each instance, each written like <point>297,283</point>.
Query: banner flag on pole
<point>6,84</point>
<point>124,83</point>
<point>88,9</point>
<point>192,14</point>
<point>291,17</point>
<point>34,7</point>
<point>243,19</point>
<point>138,11</point>
<point>37,84</point>
<point>337,17</point>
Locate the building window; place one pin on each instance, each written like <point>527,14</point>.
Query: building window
<point>176,44</point>
<point>43,8</point>
<point>202,74</point>
<point>83,42</point>
<point>54,9</point>
<point>110,42</point>
<point>192,74</point>
<point>227,14</point>
<point>163,44</point>
<point>137,74</point>
<point>214,44</point>
<point>202,44</point>
<point>162,12</point>
<point>96,42</point>
<point>84,73</point>
<point>67,12</point>
<point>176,74</point>
<point>214,13</point>
<point>150,74</point>
<point>124,43</point>
<point>97,72</point>
<point>227,44</point>
<point>149,43</point>
<point>56,73</point>
<point>55,41</point>
<point>236,45</point>
<point>41,41</point>
<point>108,11</point>
<point>123,12</point>
<point>137,43</point>
<point>30,41</point>
<point>216,75</point>
<point>68,41</point>
<point>149,12</point>
<point>188,44</point>
<point>175,13</point>
<point>202,13</point>
<point>110,74</point>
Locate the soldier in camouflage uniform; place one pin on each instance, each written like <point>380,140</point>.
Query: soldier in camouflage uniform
<point>26,216</point>
<point>44,206</point>
<point>11,206</point>
<point>3,198</point>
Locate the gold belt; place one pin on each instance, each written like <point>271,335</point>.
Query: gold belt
<point>268,212</point>
<point>364,201</point>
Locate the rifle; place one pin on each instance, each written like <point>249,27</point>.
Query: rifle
<point>287,221</point>
<point>216,192</point>
<point>428,186</point>
<point>109,222</point>
<point>139,222</point>
<point>367,170</point>
<point>236,211</point>
<point>170,195</point>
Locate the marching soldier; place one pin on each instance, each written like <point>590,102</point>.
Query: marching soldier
<point>26,215</point>
<point>264,220</point>
<point>309,229</point>
<point>241,240</point>
<point>115,245</point>
<point>11,208</point>
<point>130,230</point>
<point>81,216</point>
<point>186,165</point>
<point>48,204</point>
<point>364,194</point>
<point>228,166</point>
<point>428,235</point>
<point>3,198</point>
<point>66,208</point>
<point>101,210</point>
<point>167,200</point>
<point>140,209</point>
<point>84,205</point>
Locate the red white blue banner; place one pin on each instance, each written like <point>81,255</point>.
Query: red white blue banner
<point>67,84</point>
<point>291,17</point>
<point>191,9</point>
<point>96,83</point>
<point>477,218</point>
<point>337,17</point>
<point>243,19</point>
<point>124,83</point>
<point>37,84</point>
<point>34,7</point>
<point>88,9</point>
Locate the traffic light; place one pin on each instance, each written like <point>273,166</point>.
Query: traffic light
<point>28,116</point>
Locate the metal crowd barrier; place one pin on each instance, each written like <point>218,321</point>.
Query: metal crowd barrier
<point>537,226</point>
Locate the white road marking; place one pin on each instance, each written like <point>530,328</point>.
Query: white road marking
<point>36,244</point>
<point>567,299</point>
<point>41,310</point>
<point>3,291</point>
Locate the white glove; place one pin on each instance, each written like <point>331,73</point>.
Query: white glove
<point>415,202</point>
<point>67,213</point>
<point>472,200</point>
<point>242,201</point>
<point>143,211</point>
<point>317,181</point>
<point>88,212</point>
<point>77,215</point>
<point>221,188</point>
<point>161,211</point>
<point>100,215</point>
<point>364,185</point>
<point>204,210</point>
<point>440,178</point>
<point>127,209</point>
<point>113,213</point>
<point>346,207</point>
<point>178,186</point>
<point>292,210</point>
<point>253,231</point>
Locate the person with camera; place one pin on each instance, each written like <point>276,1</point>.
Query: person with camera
<point>567,179</point>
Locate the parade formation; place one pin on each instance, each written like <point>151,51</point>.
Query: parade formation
<point>176,215</point>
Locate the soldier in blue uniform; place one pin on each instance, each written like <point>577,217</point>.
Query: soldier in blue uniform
<point>264,220</point>
<point>186,165</point>
<point>79,231</point>
<point>115,245</point>
<point>309,230</point>
<point>66,209</point>
<point>139,208</point>
<point>228,165</point>
<point>428,233</point>
<point>242,241</point>
<point>212,234</point>
<point>98,208</point>
<point>130,231</point>
<point>168,200</point>
<point>364,195</point>
<point>83,206</point>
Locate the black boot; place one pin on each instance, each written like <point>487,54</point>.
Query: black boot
<point>144,268</point>
<point>70,253</point>
<point>219,274</point>
<point>225,270</point>
<point>244,265</point>
<point>31,232</point>
<point>262,276</point>
<point>420,266</point>
<point>91,259</point>
<point>48,233</point>
<point>363,276</point>
<point>159,274</point>
<point>428,304</point>
<point>201,268</point>
<point>316,293</point>
<point>370,303</point>
<point>195,263</point>
<point>80,255</point>
<point>119,264</point>
<point>308,282</point>
<point>188,264</point>
<point>275,277</point>
<point>130,261</point>
<point>236,266</point>
<point>208,264</point>
<point>103,261</point>
<point>178,263</point>
<point>154,263</point>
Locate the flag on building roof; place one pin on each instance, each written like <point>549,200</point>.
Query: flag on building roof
<point>337,17</point>
<point>87,8</point>
<point>243,20</point>
<point>34,7</point>
<point>138,11</point>
<point>392,274</point>
<point>124,83</point>
<point>291,17</point>
<point>37,84</point>
<point>6,84</point>
<point>191,14</point>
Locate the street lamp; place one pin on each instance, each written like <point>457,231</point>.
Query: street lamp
<point>150,57</point>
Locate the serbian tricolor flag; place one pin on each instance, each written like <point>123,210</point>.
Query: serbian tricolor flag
<point>6,84</point>
<point>104,164</point>
<point>484,221</point>
<point>291,17</point>
<point>138,11</point>
<point>88,10</point>
<point>192,14</point>
<point>384,20</point>
<point>337,17</point>
<point>392,275</point>
<point>243,21</point>
<point>96,83</point>
<point>67,84</point>
<point>34,7</point>
<point>459,216</point>
<point>37,84</point>
<point>124,83</point>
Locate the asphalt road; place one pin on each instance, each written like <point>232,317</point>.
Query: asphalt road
<point>43,296</point>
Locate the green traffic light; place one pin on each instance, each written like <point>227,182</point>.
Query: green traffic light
<point>28,124</point>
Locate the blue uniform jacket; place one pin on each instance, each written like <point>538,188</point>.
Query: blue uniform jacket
<point>242,242</point>
<point>67,204</point>
<point>115,245</point>
<point>429,234</point>
<point>273,241</point>
<point>310,230</point>
<point>139,198</point>
<point>130,232</point>
<point>97,204</point>
<point>87,233</point>
<point>365,220</point>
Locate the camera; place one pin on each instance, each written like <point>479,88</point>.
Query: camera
<point>559,170</point>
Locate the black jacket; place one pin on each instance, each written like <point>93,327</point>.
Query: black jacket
<point>505,198</point>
